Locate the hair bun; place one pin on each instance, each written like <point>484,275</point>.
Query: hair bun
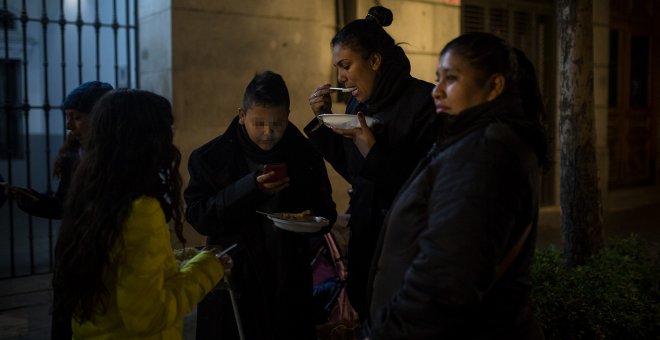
<point>380,15</point>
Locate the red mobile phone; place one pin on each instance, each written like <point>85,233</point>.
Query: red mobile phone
<point>278,168</point>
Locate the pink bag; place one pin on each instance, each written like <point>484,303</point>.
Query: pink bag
<point>343,321</point>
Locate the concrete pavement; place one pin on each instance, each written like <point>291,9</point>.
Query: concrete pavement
<point>25,301</point>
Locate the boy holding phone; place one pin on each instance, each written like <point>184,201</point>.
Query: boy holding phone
<point>261,162</point>
<point>278,171</point>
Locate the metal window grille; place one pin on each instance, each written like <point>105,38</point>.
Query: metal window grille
<point>49,48</point>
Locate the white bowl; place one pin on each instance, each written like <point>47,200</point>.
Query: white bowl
<point>310,224</point>
<point>341,121</point>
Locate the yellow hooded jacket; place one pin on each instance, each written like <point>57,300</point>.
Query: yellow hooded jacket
<point>149,293</point>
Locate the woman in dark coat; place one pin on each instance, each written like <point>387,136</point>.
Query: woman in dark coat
<point>271,277</point>
<point>77,105</point>
<point>456,250</point>
<point>374,161</point>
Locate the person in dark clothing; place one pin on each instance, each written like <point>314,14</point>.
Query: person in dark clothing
<point>455,252</point>
<point>375,161</point>
<point>3,196</point>
<point>77,105</point>
<point>271,278</point>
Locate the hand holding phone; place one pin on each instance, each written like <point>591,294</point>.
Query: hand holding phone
<point>278,168</point>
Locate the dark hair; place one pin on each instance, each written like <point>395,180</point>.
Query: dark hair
<point>130,154</point>
<point>486,53</point>
<point>366,36</point>
<point>266,89</point>
<point>527,85</point>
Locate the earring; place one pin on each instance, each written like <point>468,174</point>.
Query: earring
<point>241,116</point>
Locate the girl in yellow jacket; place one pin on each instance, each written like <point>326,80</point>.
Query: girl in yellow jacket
<point>115,271</point>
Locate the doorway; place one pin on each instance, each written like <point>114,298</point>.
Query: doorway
<point>631,116</point>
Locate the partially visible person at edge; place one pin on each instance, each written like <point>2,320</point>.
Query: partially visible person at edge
<point>116,273</point>
<point>77,105</point>
<point>375,161</point>
<point>272,279</point>
<point>3,196</point>
<point>456,249</point>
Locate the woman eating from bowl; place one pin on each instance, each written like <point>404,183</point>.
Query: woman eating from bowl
<point>377,160</point>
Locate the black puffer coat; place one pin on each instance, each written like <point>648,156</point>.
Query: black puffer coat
<point>406,132</point>
<point>460,213</point>
<point>272,274</point>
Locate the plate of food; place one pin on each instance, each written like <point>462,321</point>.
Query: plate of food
<point>183,255</point>
<point>299,223</point>
<point>342,121</point>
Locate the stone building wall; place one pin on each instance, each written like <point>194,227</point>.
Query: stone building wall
<point>202,54</point>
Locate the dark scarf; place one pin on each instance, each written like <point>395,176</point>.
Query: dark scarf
<point>506,109</point>
<point>389,83</point>
<point>254,153</point>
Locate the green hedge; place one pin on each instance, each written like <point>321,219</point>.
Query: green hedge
<point>615,295</point>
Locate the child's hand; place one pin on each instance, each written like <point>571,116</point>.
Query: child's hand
<point>227,264</point>
<point>225,260</point>
<point>271,187</point>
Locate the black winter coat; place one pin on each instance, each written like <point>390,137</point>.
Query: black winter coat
<point>455,219</point>
<point>272,275</point>
<point>51,206</point>
<point>406,132</point>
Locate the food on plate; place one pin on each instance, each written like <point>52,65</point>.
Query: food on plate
<point>184,255</point>
<point>293,216</point>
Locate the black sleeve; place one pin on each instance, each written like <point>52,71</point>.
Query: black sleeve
<point>213,208</point>
<point>324,204</point>
<point>52,206</point>
<point>392,164</point>
<point>46,206</point>
<point>330,145</point>
<point>471,214</point>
